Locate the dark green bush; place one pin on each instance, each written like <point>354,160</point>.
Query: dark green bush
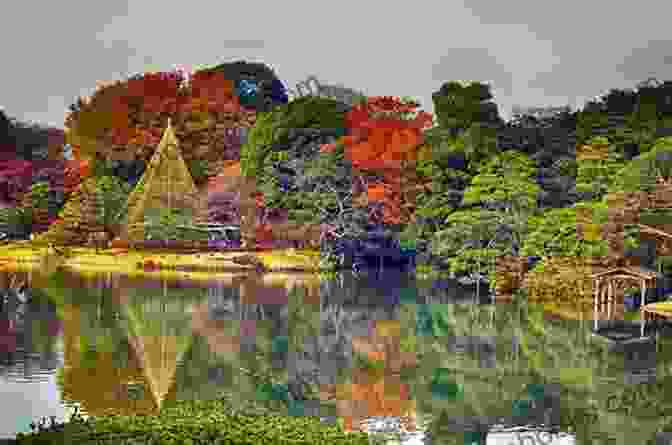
<point>195,422</point>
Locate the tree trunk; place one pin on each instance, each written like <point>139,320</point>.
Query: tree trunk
<point>248,212</point>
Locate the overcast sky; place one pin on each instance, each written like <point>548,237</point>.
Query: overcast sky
<point>534,53</point>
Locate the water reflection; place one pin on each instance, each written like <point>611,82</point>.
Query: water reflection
<point>453,366</point>
<point>28,338</point>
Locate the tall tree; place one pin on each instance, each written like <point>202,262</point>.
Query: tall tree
<point>505,194</point>
<point>261,88</point>
<point>386,133</point>
<point>124,120</point>
<point>507,182</point>
<point>597,165</point>
<point>458,105</point>
<point>641,173</point>
<point>468,120</point>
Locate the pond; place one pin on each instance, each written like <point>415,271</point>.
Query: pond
<point>458,369</point>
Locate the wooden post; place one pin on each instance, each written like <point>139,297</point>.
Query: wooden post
<point>596,296</point>
<point>610,300</point>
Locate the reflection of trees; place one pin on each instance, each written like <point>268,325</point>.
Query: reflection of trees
<point>133,344</point>
<point>247,361</point>
<point>491,351</point>
<point>531,347</point>
<point>37,327</point>
<point>140,342</point>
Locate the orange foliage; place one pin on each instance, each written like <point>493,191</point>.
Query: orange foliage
<point>264,233</point>
<point>259,200</point>
<point>376,192</point>
<point>381,139</point>
<point>149,95</point>
<point>75,172</point>
<point>383,148</point>
<point>326,148</point>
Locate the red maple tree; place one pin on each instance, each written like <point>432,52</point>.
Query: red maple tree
<point>383,138</point>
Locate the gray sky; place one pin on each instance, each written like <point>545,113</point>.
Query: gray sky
<point>535,53</point>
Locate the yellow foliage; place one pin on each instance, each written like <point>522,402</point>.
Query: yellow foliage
<point>560,279</point>
<point>388,328</point>
<point>592,232</point>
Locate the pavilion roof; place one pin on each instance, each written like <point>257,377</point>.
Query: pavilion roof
<point>635,271</point>
<point>652,230</point>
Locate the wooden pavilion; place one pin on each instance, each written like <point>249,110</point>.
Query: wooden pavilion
<point>663,246</point>
<point>608,283</point>
<point>663,240</point>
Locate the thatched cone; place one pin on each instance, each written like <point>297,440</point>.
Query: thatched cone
<point>79,217</point>
<point>166,184</point>
<point>40,215</point>
<point>510,273</point>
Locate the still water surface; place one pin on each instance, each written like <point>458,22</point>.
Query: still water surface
<point>110,344</point>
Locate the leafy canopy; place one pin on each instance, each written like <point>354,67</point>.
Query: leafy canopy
<point>505,179</point>
<point>596,175</point>
<point>640,173</point>
<point>273,129</point>
<point>553,233</point>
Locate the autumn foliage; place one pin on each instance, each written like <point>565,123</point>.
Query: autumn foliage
<point>385,134</point>
<point>381,136</point>
<point>75,172</point>
<point>130,116</point>
<point>376,192</point>
<point>15,178</point>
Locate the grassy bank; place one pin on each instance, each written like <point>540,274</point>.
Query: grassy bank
<point>131,261</point>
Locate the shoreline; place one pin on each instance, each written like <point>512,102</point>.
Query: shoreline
<point>21,255</point>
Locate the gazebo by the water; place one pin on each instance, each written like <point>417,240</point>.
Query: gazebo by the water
<point>607,283</point>
<point>663,241</point>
